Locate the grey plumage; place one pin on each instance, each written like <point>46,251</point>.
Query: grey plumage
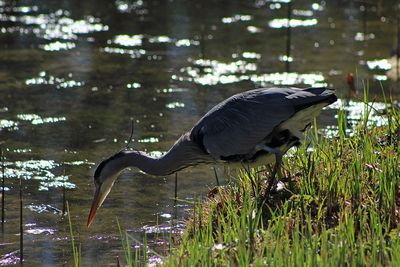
<point>240,123</point>
<point>251,127</point>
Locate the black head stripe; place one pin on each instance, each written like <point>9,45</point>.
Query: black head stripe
<point>104,162</point>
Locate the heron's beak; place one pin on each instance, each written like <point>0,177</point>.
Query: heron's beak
<point>99,197</point>
<point>95,206</point>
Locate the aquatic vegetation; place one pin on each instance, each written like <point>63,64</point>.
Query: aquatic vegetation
<point>76,250</point>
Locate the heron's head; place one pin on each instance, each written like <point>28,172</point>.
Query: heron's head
<point>104,177</point>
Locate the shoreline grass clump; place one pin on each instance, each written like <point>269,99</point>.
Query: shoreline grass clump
<point>340,205</point>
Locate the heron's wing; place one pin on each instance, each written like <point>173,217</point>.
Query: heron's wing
<point>237,125</point>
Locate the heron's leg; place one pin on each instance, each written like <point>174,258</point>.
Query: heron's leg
<point>278,161</point>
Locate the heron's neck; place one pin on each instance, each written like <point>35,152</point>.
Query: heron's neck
<point>182,154</point>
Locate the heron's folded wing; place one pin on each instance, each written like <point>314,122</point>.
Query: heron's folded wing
<point>238,125</point>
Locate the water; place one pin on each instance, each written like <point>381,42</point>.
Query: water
<point>73,74</point>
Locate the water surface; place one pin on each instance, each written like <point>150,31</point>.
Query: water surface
<point>74,73</point>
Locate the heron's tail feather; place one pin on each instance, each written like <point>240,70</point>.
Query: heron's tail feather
<point>312,96</point>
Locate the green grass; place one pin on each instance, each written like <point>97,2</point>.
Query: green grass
<point>340,207</point>
<point>76,250</point>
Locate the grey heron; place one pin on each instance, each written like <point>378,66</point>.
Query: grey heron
<point>252,128</point>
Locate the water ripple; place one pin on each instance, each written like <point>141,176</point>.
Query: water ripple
<point>60,83</point>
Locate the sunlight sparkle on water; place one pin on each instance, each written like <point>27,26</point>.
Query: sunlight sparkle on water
<point>316,6</point>
<point>58,46</point>
<point>172,90</point>
<point>382,64</point>
<point>18,9</point>
<point>137,6</point>
<point>133,85</point>
<point>285,58</point>
<point>40,170</point>
<point>137,40</point>
<point>175,105</point>
<point>57,25</point>
<point>283,23</point>
<point>78,163</point>
<point>186,42</point>
<point>44,208</point>
<point>253,29</point>
<point>211,72</point>
<point>236,18</point>
<point>36,119</point>
<point>149,140</point>
<point>277,1</point>
<point>360,36</point>
<point>251,55</point>
<point>355,114</point>
<point>39,231</point>
<point>11,258</point>
<point>8,125</point>
<point>160,39</point>
<point>291,78</point>
<point>380,77</point>
<point>126,40</point>
<point>22,150</point>
<point>304,13</point>
<point>134,53</point>
<point>45,79</point>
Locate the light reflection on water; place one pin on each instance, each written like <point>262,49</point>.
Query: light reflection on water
<point>33,118</point>
<point>56,25</point>
<point>134,53</point>
<point>382,64</point>
<point>212,72</point>
<point>46,79</point>
<point>11,258</point>
<point>9,125</point>
<point>137,6</point>
<point>139,39</point>
<point>284,23</point>
<point>40,231</point>
<point>292,78</point>
<point>36,119</point>
<point>175,105</point>
<point>179,59</point>
<point>43,208</point>
<point>38,170</point>
<point>58,46</point>
<point>355,112</point>
<point>126,40</point>
<point>236,18</point>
